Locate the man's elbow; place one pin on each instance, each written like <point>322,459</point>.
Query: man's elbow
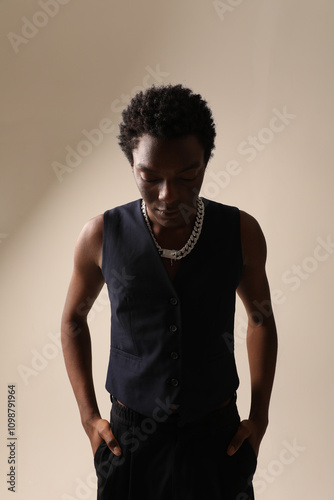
<point>71,328</point>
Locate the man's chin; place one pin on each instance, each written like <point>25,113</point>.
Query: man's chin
<point>171,222</point>
<point>169,218</point>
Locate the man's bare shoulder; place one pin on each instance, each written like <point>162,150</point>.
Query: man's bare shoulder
<point>252,239</point>
<point>90,240</point>
<point>93,227</point>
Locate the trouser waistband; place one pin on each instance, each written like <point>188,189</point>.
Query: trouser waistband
<point>131,417</point>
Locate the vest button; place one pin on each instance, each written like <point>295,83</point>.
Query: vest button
<point>174,382</point>
<point>174,355</point>
<point>172,328</point>
<point>173,301</point>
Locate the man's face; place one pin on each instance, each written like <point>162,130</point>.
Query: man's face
<point>169,175</point>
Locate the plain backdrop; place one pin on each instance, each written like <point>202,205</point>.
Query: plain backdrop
<point>68,68</point>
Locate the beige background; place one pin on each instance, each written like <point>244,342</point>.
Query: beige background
<point>251,60</point>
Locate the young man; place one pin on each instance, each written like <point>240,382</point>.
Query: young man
<point>172,262</point>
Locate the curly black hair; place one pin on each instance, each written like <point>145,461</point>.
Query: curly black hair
<point>166,112</point>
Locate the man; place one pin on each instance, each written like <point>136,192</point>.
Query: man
<point>172,262</point>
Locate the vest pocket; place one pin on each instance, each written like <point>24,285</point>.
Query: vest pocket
<point>126,354</point>
<point>125,359</point>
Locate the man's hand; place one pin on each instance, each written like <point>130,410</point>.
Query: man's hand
<point>248,429</point>
<point>99,430</point>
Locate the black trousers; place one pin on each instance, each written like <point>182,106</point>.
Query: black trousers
<point>163,459</point>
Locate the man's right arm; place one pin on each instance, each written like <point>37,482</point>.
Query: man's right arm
<point>86,283</point>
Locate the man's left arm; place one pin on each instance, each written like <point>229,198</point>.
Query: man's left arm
<point>254,292</point>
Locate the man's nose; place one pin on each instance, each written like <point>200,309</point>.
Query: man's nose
<point>168,193</point>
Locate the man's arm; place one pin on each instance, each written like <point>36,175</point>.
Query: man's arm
<point>261,333</point>
<point>86,283</point>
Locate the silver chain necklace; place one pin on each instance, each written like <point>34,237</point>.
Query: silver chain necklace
<point>187,248</point>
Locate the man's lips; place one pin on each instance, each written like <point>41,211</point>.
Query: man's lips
<point>168,213</point>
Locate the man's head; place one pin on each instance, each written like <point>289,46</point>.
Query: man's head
<point>167,112</point>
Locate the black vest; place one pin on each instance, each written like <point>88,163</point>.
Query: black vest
<point>172,341</point>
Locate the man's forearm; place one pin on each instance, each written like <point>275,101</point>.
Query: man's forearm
<point>262,354</point>
<point>76,345</point>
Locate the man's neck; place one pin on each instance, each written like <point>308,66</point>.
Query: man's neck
<point>173,237</point>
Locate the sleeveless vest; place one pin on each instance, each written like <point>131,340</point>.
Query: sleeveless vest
<point>172,341</point>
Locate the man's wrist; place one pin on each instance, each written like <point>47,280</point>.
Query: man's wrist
<point>89,417</point>
<point>261,421</point>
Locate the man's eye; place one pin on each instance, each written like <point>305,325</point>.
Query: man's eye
<point>188,178</point>
<point>149,179</point>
